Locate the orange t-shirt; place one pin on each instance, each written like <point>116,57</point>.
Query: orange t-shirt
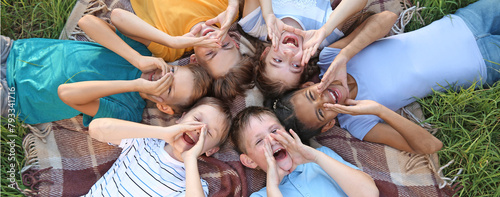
<point>176,18</point>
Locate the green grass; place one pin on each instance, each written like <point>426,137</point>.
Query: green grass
<point>13,158</point>
<point>469,127</point>
<point>468,120</point>
<point>34,18</point>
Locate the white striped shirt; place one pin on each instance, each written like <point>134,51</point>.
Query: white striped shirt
<point>143,168</point>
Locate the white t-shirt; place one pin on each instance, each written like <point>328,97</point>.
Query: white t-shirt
<point>310,14</point>
<point>143,168</point>
<point>394,71</point>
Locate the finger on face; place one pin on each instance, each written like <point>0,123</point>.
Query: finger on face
<point>202,134</point>
<point>268,151</point>
<point>295,136</point>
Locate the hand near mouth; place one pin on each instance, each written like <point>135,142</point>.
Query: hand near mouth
<point>275,28</point>
<point>356,107</point>
<point>197,149</point>
<point>273,177</point>
<point>153,89</point>
<point>299,152</point>
<point>336,71</point>
<point>312,40</point>
<point>190,40</point>
<point>225,19</point>
<point>150,64</point>
<point>176,131</point>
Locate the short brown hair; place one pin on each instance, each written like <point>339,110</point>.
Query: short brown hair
<point>202,84</point>
<point>222,107</point>
<point>241,121</point>
<point>238,79</point>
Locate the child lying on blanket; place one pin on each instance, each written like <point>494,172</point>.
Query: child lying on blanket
<point>171,28</point>
<point>452,52</point>
<point>49,80</point>
<point>293,168</point>
<point>161,161</point>
<point>297,29</point>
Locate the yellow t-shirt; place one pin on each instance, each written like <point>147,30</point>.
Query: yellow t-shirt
<point>176,18</point>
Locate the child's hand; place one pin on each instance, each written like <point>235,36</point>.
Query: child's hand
<point>312,40</point>
<point>154,89</point>
<point>224,19</point>
<point>149,64</point>
<point>191,39</point>
<point>275,28</point>
<point>273,178</point>
<point>299,152</point>
<point>356,107</point>
<point>336,71</point>
<point>197,149</point>
<point>176,131</point>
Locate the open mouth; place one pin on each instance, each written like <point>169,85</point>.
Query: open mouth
<point>190,140</point>
<point>291,41</point>
<point>152,76</point>
<point>335,94</point>
<point>279,154</point>
<point>208,30</point>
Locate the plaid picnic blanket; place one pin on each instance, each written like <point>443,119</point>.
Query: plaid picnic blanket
<point>62,160</point>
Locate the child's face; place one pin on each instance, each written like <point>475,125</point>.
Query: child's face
<point>182,86</point>
<point>284,65</point>
<point>217,60</point>
<point>259,129</point>
<point>308,104</point>
<point>214,120</point>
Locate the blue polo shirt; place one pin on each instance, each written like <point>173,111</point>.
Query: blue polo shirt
<point>310,180</point>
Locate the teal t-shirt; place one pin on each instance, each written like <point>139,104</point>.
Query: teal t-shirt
<point>36,67</point>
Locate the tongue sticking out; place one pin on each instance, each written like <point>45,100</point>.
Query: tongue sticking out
<point>188,139</point>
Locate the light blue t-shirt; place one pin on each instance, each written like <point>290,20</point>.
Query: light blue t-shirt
<point>394,71</point>
<point>310,14</point>
<point>36,67</point>
<point>310,180</point>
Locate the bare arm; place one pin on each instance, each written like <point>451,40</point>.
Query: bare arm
<point>84,96</point>
<point>114,130</point>
<point>353,182</point>
<point>134,27</point>
<point>104,34</point>
<point>399,132</point>
<point>193,183</point>
<point>372,29</point>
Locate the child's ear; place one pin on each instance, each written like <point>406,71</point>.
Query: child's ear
<point>212,151</point>
<point>307,84</point>
<point>165,108</point>
<point>265,53</point>
<point>192,59</point>
<point>247,161</point>
<point>328,125</point>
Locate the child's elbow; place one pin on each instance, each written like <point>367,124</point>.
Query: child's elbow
<point>85,21</point>
<point>63,91</point>
<point>430,146</point>
<point>98,127</point>
<point>117,15</point>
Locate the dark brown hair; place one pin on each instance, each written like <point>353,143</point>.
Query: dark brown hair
<point>285,112</point>
<point>238,79</point>
<point>222,107</point>
<point>241,121</point>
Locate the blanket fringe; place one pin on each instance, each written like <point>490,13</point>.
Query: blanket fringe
<point>446,180</point>
<point>42,134</point>
<point>406,16</point>
<point>31,154</point>
<point>29,179</point>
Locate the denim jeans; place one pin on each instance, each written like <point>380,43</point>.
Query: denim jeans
<point>483,19</point>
